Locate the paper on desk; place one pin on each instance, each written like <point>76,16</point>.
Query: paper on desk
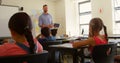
<point>68,45</point>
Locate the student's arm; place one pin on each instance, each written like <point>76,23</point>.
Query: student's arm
<point>39,46</point>
<point>89,41</point>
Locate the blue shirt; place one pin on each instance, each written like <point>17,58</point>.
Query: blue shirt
<point>45,19</point>
<point>51,38</point>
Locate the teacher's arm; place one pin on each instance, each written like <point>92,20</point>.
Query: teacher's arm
<point>40,22</point>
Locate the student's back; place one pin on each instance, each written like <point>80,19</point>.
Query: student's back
<point>20,27</point>
<point>46,39</point>
<point>95,38</point>
<point>99,40</point>
<point>46,35</point>
<point>9,49</point>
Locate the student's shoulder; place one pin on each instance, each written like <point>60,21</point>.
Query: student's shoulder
<point>8,45</point>
<point>42,40</point>
<point>91,39</point>
<point>52,38</point>
<point>102,36</point>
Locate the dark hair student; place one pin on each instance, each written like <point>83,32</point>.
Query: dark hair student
<point>21,24</point>
<point>45,31</point>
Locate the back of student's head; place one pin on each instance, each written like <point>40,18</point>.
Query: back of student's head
<point>21,24</point>
<point>45,31</point>
<point>96,25</point>
<point>54,32</point>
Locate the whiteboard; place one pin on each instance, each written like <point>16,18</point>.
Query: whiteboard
<point>5,14</point>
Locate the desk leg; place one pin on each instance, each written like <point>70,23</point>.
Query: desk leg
<point>51,58</point>
<point>75,57</point>
<point>82,55</point>
<point>82,60</point>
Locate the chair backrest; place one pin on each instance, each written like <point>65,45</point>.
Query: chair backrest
<point>28,58</point>
<point>104,53</point>
<point>48,43</point>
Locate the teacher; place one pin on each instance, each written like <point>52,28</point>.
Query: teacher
<point>45,19</point>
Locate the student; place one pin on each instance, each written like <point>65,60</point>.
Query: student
<point>95,38</point>
<point>20,27</point>
<point>46,35</point>
<point>54,32</point>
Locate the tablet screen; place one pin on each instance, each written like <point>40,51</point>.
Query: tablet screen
<point>56,25</point>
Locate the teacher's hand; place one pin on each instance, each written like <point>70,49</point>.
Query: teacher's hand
<point>50,26</point>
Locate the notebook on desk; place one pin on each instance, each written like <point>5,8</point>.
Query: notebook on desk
<point>66,45</point>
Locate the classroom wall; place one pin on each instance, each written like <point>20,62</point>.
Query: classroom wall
<point>67,16</point>
<point>72,17</point>
<point>72,24</point>
<point>30,5</point>
<point>60,16</point>
<point>106,12</point>
<point>33,8</point>
<point>65,12</point>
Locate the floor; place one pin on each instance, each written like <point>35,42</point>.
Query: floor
<point>68,59</point>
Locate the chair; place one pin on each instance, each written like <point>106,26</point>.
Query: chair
<point>104,53</point>
<point>84,53</point>
<point>28,58</point>
<point>46,45</point>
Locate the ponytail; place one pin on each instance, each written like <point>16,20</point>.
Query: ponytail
<point>29,37</point>
<point>105,31</point>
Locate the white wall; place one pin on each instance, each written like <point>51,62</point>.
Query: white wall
<point>106,14</point>
<point>30,5</point>
<point>66,15</point>
<point>72,17</point>
<point>72,24</point>
<point>60,16</point>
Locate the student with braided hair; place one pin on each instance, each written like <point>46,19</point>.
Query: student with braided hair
<point>20,27</point>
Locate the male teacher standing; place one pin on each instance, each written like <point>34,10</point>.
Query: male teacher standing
<point>45,19</point>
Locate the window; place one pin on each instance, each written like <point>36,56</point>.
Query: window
<point>116,27</point>
<point>84,16</point>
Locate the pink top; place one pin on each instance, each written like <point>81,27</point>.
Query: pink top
<point>98,41</point>
<point>8,49</point>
